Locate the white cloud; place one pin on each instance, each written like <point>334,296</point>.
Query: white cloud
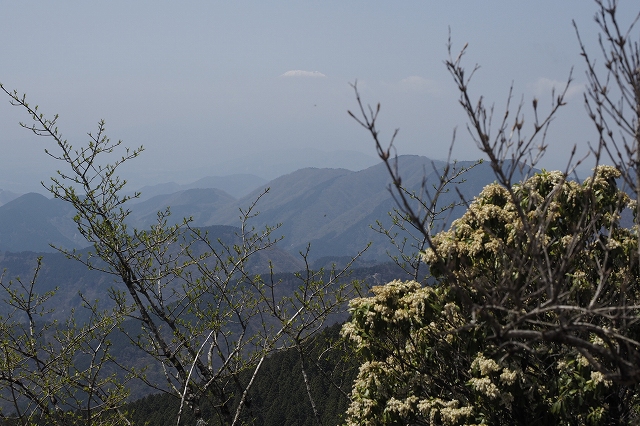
<point>301,73</point>
<point>416,83</point>
<point>543,87</point>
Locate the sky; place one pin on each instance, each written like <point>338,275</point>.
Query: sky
<point>202,84</point>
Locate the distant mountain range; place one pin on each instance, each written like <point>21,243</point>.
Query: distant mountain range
<point>236,185</point>
<point>277,162</point>
<point>331,209</point>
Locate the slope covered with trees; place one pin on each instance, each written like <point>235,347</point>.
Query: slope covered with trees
<point>277,395</point>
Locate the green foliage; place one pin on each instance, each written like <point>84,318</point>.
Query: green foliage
<point>57,373</point>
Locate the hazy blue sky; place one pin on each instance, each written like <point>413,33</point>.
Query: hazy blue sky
<point>200,83</point>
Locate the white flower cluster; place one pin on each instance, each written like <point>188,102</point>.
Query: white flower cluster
<point>449,412</point>
<point>486,384</point>
<point>485,365</point>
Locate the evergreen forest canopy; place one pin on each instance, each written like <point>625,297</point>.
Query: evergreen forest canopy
<point>532,316</point>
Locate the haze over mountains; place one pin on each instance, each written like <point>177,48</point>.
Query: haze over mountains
<point>261,165</point>
<point>331,209</point>
<point>277,162</point>
<point>6,196</point>
<point>236,185</point>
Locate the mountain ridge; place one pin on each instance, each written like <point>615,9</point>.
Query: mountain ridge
<point>332,209</point>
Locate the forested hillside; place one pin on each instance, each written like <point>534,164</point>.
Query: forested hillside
<point>72,279</point>
<point>279,396</point>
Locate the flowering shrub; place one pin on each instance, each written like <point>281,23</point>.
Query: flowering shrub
<point>534,307</point>
<point>424,364</point>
